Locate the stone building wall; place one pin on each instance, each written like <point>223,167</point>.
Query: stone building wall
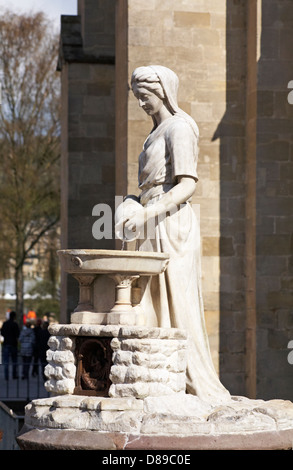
<point>274,202</point>
<point>86,62</point>
<point>234,61</point>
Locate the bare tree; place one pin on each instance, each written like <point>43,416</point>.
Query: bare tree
<point>29,137</point>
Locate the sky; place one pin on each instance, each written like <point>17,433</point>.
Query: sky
<point>53,8</point>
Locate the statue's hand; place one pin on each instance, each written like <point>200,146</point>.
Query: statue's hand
<point>136,221</point>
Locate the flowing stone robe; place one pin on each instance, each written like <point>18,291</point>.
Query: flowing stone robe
<point>174,298</point>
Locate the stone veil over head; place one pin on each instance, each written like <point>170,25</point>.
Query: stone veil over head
<point>165,83</point>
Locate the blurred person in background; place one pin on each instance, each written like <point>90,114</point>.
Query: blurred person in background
<point>10,333</point>
<point>27,343</point>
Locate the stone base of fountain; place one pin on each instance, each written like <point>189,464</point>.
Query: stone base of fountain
<point>35,439</point>
<point>178,421</point>
<point>116,361</point>
<point>144,404</point>
<point>116,384</point>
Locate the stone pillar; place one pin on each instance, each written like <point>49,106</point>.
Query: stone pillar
<point>230,135</point>
<point>86,63</point>
<point>253,52</point>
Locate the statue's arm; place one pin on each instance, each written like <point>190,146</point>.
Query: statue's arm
<point>179,194</point>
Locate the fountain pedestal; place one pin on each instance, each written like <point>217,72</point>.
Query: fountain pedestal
<point>123,313</point>
<point>123,267</point>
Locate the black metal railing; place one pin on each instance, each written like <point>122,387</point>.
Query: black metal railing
<point>20,388</point>
<point>10,424</point>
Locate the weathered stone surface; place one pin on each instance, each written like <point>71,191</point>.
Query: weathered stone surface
<point>61,368</point>
<point>139,390</point>
<point>178,405</point>
<point>147,366</point>
<point>60,357</point>
<point>78,412</point>
<point>60,330</point>
<point>239,423</point>
<point>62,386</point>
<point>121,404</point>
<point>145,361</point>
<point>36,439</point>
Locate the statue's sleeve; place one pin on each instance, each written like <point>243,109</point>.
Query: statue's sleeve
<point>183,150</point>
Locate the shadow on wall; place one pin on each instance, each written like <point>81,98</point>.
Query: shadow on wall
<point>274,203</point>
<point>231,132</point>
<point>271,322</point>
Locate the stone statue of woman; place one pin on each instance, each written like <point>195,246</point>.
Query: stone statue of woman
<point>167,181</point>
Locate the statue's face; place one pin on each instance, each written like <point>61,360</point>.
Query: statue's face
<point>147,100</point>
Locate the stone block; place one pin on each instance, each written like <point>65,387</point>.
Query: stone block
<point>54,372</point>
<point>190,19</point>
<point>90,403</point>
<point>233,362</point>
<point>226,246</point>
<point>166,347</point>
<point>54,343</point>
<point>67,344</point>
<point>274,245</point>
<point>265,103</point>
<point>69,371</point>
<point>211,300</point>
<point>236,342</point>
<point>280,299</point>
<point>60,357</point>
<point>210,39</point>
<point>140,390</point>
<point>121,404</point>
<point>139,36</point>
<point>210,246</point>
<point>122,358</point>
<point>135,5</point>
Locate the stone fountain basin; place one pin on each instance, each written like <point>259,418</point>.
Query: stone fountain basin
<point>87,261</point>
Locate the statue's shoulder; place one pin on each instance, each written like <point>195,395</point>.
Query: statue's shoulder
<point>179,126</point>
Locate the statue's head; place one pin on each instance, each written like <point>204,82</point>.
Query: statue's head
<point>148,90</point>
<point>146,77</point>
<point>161,84</point>
<point>156,80</point>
